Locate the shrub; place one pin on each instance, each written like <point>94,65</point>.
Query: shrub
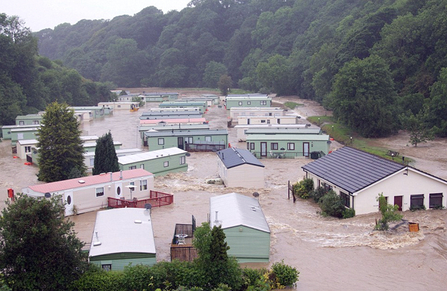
<point>318,193</point>
<point>348,213</point>
<point>332,205</point>
<point>285,275</point>
<point>418,207</point>
<point>98,279</point>
<point>303,188</point>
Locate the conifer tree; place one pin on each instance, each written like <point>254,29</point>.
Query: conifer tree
<point>60,145</point>
<point>105,155</point>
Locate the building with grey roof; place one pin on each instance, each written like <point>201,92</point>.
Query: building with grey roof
<point>359,177</point>
<point>244,224</point>
<point>122,236</point>
<point>240,168</point>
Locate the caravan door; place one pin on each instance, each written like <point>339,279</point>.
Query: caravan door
<point>68,197</point>
<point>118,190</point>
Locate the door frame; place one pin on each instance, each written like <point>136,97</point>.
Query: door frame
<point>306,145</point>
<point>396,201</point>
<point>263,149</point>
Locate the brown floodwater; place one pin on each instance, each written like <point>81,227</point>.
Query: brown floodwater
<point>330,254</point>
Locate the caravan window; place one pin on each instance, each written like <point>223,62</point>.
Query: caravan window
<point>182,160</point>
<point>143,185</point>
<point>161,141</point>
<point>291,146</point>
<point>99,191</point>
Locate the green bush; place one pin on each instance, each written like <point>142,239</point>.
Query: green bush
<point>99,280</point>
<point>317,193</point>
<point>303,188</point>
<point>332,205</point>
<point>419,207</point>
<point>348,213</point>
<point>285,275</point>
<point>252,276</point>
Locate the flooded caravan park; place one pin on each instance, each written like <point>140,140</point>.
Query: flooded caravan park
<point>331,254</point>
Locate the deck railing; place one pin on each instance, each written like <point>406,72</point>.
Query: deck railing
<point>156,199</point>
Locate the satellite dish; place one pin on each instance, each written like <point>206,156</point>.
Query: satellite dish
<point>255,194</point>
<point>147,206</point>
<point>47,195</point>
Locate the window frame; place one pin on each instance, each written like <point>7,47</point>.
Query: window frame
<point>182,160</point>
<point>166,164</point>
<point>98,191</point>
<point>161,141</point>
<point>274,146</point>
<point>143,185</point>
<point>435,197</point>
<point>291,146</point>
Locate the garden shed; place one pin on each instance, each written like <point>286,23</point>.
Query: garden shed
<point>244,224</point>
<point>158,162</point>
<point>121,237</point>
<point>239,168</point>
<point>359,177</point>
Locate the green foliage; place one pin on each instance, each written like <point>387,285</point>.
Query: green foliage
<point>100,280</point>
<point>418,207</point>
<point>34,234</point>
<point>106,159</point>
<point>363,97</point>
<point>417,127</point>
<point>60,144</point>
<point>303,188</point>
<point>213,73</point>
<point>286,275</point>
<point>224,84</point>
<point>348,213</point>
<point>389,213</point>
<point>318,193</point>
<point>213,260</point>
<point>292,105</point>
<point>332,205</point>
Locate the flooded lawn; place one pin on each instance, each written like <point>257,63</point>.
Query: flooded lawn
<point>331,254</point>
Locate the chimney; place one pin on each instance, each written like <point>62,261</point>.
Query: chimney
<point>111,177</point>
<point>121,174</point>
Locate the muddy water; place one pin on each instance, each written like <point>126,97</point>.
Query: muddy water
<point>331,254</point>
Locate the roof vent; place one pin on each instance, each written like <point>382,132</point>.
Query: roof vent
<point>81,182</point>
<point>137,221</point>
<point>96,243</point>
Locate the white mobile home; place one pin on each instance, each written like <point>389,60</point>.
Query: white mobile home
<point>244,224</point>
<point>359,177</point>
<point>89,157</point>
<point>121,237</point>
<point>235,112</point>
<point>120,105</point>
<point>239,168</point>
<point>281,119</point>
<point>91,193</point>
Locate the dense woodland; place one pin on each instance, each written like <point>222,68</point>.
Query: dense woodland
<point>29,82</point>
<point>370,61</point>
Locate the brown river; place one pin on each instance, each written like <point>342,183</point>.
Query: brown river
<point>331,254</point>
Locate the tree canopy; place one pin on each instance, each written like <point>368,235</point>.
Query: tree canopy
<point>39,249</point>
<point>106,159</point>
<point>60,145</point>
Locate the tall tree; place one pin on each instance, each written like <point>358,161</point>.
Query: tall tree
<point>213,259</point>
<point>224,84</point>
<point>363,97</point>
<point>417,126</point>
<point>105,155</point>
<point>213,71</point>
<point>39,249</point>
<point>60,145</point>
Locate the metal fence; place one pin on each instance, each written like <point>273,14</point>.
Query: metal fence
<point>156,199</point>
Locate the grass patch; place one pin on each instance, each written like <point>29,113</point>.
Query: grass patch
<point>292,105</point>
<point>343,134</point>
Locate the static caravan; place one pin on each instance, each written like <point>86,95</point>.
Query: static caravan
<point>281,119</point>
<point>239,168</point>
<point>247,232</point>
<point>89,157</point>
<point>189,140</point>
<point>129,97</point>
<point>184,104</point>
<point>29,119</point>
<point>23,133</point>
<point>91,193</point>
<point>159,162</point>
<point>171,115</point>
<point>91,146</point>
<point>172,127</point>
<point>121,237</point>
<point>359,177</point>
<point>83,115</point>
<point>169,109</point>
<point>288,145</point>
<point>159,97</point>
<point>120,105</point>
<point>241,130</point>
<point>97,111</point>
<point>248,100</point>
<point>6,129</point>
<point>235,112</point>
<point>210,101</point>
<point>201,120</point>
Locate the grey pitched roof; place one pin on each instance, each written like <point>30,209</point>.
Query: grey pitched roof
<point>237,210</point>
<point>232,157</point>
<point>352,169</point>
